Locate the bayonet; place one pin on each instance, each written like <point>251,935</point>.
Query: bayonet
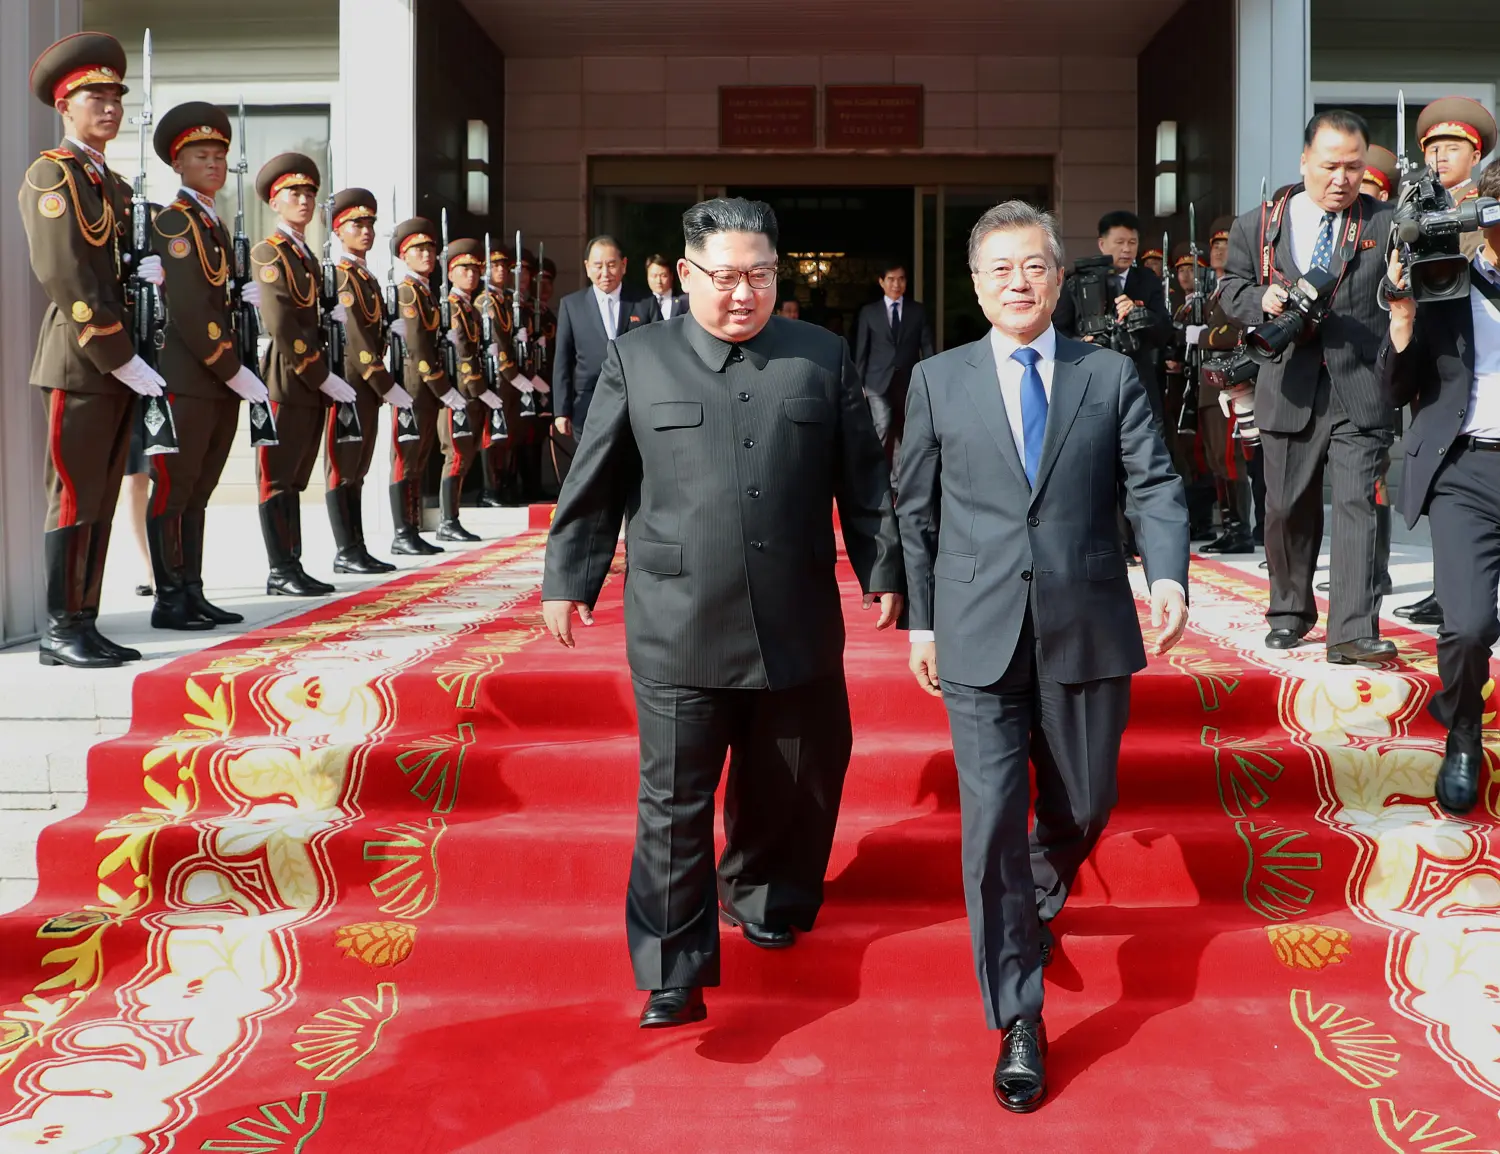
<point>244,317</point>
<point>150,310</point>
<point>346,414</point>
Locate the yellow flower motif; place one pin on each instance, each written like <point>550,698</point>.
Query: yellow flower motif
<point>1308,947</point>
<point>377,943</point>
<point>1348,701</point>
<point>330,705</point>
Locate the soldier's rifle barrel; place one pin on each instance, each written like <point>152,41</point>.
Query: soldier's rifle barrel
<point>149,309</point>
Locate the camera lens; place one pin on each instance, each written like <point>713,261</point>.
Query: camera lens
<point>1273,338</point>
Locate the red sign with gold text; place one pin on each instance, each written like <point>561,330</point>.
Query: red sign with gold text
<point>768,116</point>
<point>873,116</point>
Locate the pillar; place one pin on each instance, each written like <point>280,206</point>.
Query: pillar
<point>1273,67</point>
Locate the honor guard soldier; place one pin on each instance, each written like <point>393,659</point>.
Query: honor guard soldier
<point>1454,132</point>
<point>425,379</point>
<point>296,369</point>
<point>466,268</point>
<point>546,284</point>
<point>203,371</point>
<point>347,463</point>
<point>497,459</point>
<point>1152,259</point>
<point>77,218</point>
<point>1382,173</point>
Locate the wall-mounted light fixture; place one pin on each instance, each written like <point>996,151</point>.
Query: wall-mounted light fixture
<point>477,168</point>
<point>1166,168</point>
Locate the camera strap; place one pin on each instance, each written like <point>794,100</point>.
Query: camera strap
<point>1484,287</point>
<point>1270,234</point>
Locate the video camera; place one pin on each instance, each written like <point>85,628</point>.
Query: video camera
<point>1426,229</point>
<point>1233,374</point>
<point>1097,317</point>
<point>1307,303</point>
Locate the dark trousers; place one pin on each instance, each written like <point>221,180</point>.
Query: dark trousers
<point>346,463</point>
<point>287,467</point>
<point>88,437</point>
<point>187,478</point>
<point>1013,883</point>
<point>409,458</point>
<point>1464,515</point>
<point>1294,465</point>
<point>888,412</point>
<point>458,452</point>
<point>1220,449</point>
<point>788,752</point>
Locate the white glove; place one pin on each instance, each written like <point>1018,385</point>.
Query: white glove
<point>137,375</point>
<point>398,398</point>
<point>522,384</point>
<point>453,399</point>
<point>541,386</point>
<point>490,399</point>
<point>150,270</point>
<point>398,328</point>
<point>249,387</point>
<point>1194,334</point>
<point>340,314</point>
<point>250,292</point>
<point>495,351</point>
<point>453,337</point>
<point>335,388</point>
<point>521,337</point>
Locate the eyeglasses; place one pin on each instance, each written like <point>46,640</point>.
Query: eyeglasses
<point>1035,271</point>
<point>728,279</point>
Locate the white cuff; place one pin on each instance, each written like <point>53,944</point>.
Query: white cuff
<point>920,636</point>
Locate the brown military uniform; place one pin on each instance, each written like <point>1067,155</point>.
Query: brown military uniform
<point>426,380</point>
<point>458,452</point>
<point>347,464</point>
<point>76,213</point>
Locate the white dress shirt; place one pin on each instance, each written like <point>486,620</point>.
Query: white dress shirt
<point>1484,394</point>
<point>665,301</point>
<point>1306,219</point>
<point>609,311</point>
<point>1010,371</point>
<point>93,154</point>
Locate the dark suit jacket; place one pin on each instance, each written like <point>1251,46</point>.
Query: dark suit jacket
<point>1349,339</point>
<point>726,461</point>
<point>1143,285</point>
<point>581,347</point>
<point>883,358</point>
<point>1435,376</point>
<point>980,542</point>
<point>652,307</point>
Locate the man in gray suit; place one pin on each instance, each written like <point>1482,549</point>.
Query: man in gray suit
<point>1008,489</point>
<point>724,436</point>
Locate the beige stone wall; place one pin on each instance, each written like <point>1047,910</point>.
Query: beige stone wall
<point>560,111</point>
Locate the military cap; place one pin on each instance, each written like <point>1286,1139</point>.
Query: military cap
<point>502,252</point>
<point>1457,117</point>
<point>189,123</point>
<point>1219,230</point>
<point>528,259</point>
<point>1151,254</point>
<point>465,252</point>
<point>417,230</point>
<point>549,266</point>
<point>353,204</point>
<point>288,170</point>
<point>1182,253</point>
<point>78,61</point>
<point>1381,168</point>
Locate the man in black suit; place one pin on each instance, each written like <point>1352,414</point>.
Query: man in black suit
<point>1318,406</point>
<point>1016,447</point>
<point>725,436</point>
<point>663,304</point>
<point>587,321</point>
<point>890,337</point>
<point>1443,359</point>
<point>1135,287</point>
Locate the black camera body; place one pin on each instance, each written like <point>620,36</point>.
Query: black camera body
<point>1097,317</point>
<point>1426,229</point>
<point>1307,303</point>
<point>1233,374</point>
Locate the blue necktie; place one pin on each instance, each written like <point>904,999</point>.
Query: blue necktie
<point>1033,409</point>
<point>1322,255</point>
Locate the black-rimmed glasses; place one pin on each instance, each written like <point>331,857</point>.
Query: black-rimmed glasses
<point>726,280</point>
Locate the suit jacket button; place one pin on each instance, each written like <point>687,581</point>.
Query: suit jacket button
<point>748,442</point>
<point>753,491</point>
<point>1441,452</point>
<point>735,354</point>
<point>744,396</point>
<point>1026,575</point>
<point>1033,521</point>
<point>757,545</point>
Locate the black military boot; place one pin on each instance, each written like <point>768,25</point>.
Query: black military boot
<point>96,536</point>
<point>406,512</point>
<point>344,514</point>
<point>451,529</point>
<point>286,578</point>
<point>171,611</point>
<point>357,526</point>
<point>294,519</point>
<point>490,497</point>
<point>192,571</point>
<point>63,641</point>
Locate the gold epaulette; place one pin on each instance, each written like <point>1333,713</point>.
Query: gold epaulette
<point>57,154</point>
<point>277,238</point>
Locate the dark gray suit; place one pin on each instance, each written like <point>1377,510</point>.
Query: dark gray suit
<point>885,359</point>
<point>1037,635</point>
<point>1320,404</point>
<point>652,307</point>
<point>581,347</point>
<point>726,461</point>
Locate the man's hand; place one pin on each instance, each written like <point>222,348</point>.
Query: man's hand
<point>1403,309</point>
<point>398,398</point>
<point>1123,305</point>
<point>563,425</point>
<point>558,616</point>
<point>923,664</point>
<point>1274,300</point>
<point>1167,606</point>
<point>890,607</point>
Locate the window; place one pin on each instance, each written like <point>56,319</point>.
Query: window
<point>270,130</point>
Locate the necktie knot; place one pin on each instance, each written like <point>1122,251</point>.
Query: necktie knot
<point>1027,356</point>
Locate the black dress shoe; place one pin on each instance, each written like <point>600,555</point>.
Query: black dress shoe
<point>1362,649</point>
<point>491,500</point>
<point>1048,944</point>
<point>355,560</point>
<point>1424,612</point>
<point>1234,541</point>
<point>89,629</point>
<point>763,934</point>
<point>410,544</point>
<point>292,582</point>
<point>679,1006</point>
<point>1284,639</point>
<point>454,531</point>
<point>1020,1080</point>
<point>1457,785</point>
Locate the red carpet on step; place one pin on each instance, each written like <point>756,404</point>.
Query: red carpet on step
<point>355,883</point>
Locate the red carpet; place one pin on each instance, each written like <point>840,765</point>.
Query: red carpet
<point>355,883</point>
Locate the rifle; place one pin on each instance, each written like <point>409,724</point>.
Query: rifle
<point>346,414</point>
<point>524,349</point>
<point>459,417</point>
<point>1192,361</point>
<point>406,419</point>
<point>499,430</point>
<point>149,310</point>
<point>539,338</point>
<point>243,318</point>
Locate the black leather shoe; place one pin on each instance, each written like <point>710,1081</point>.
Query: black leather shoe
<point>1284,639</point>
<point>454,531</point>
<point>88,628</point>
<point>1231,542</point>
<point>205,608</point>
<point>355,560</point>
<point>763,934</point>
<point>1362,649</point>
<point>1424,612</point>
<point>491,500</point>
<point>679,1006</point>
<point>1049,945</point>
<point>1020,1080</point>
<point>1457,785</point>
<point>292,582</point>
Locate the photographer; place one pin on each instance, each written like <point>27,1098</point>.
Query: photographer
<point>1141,324</point>
<point>1443,359</point>
<point>1316,403</point>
